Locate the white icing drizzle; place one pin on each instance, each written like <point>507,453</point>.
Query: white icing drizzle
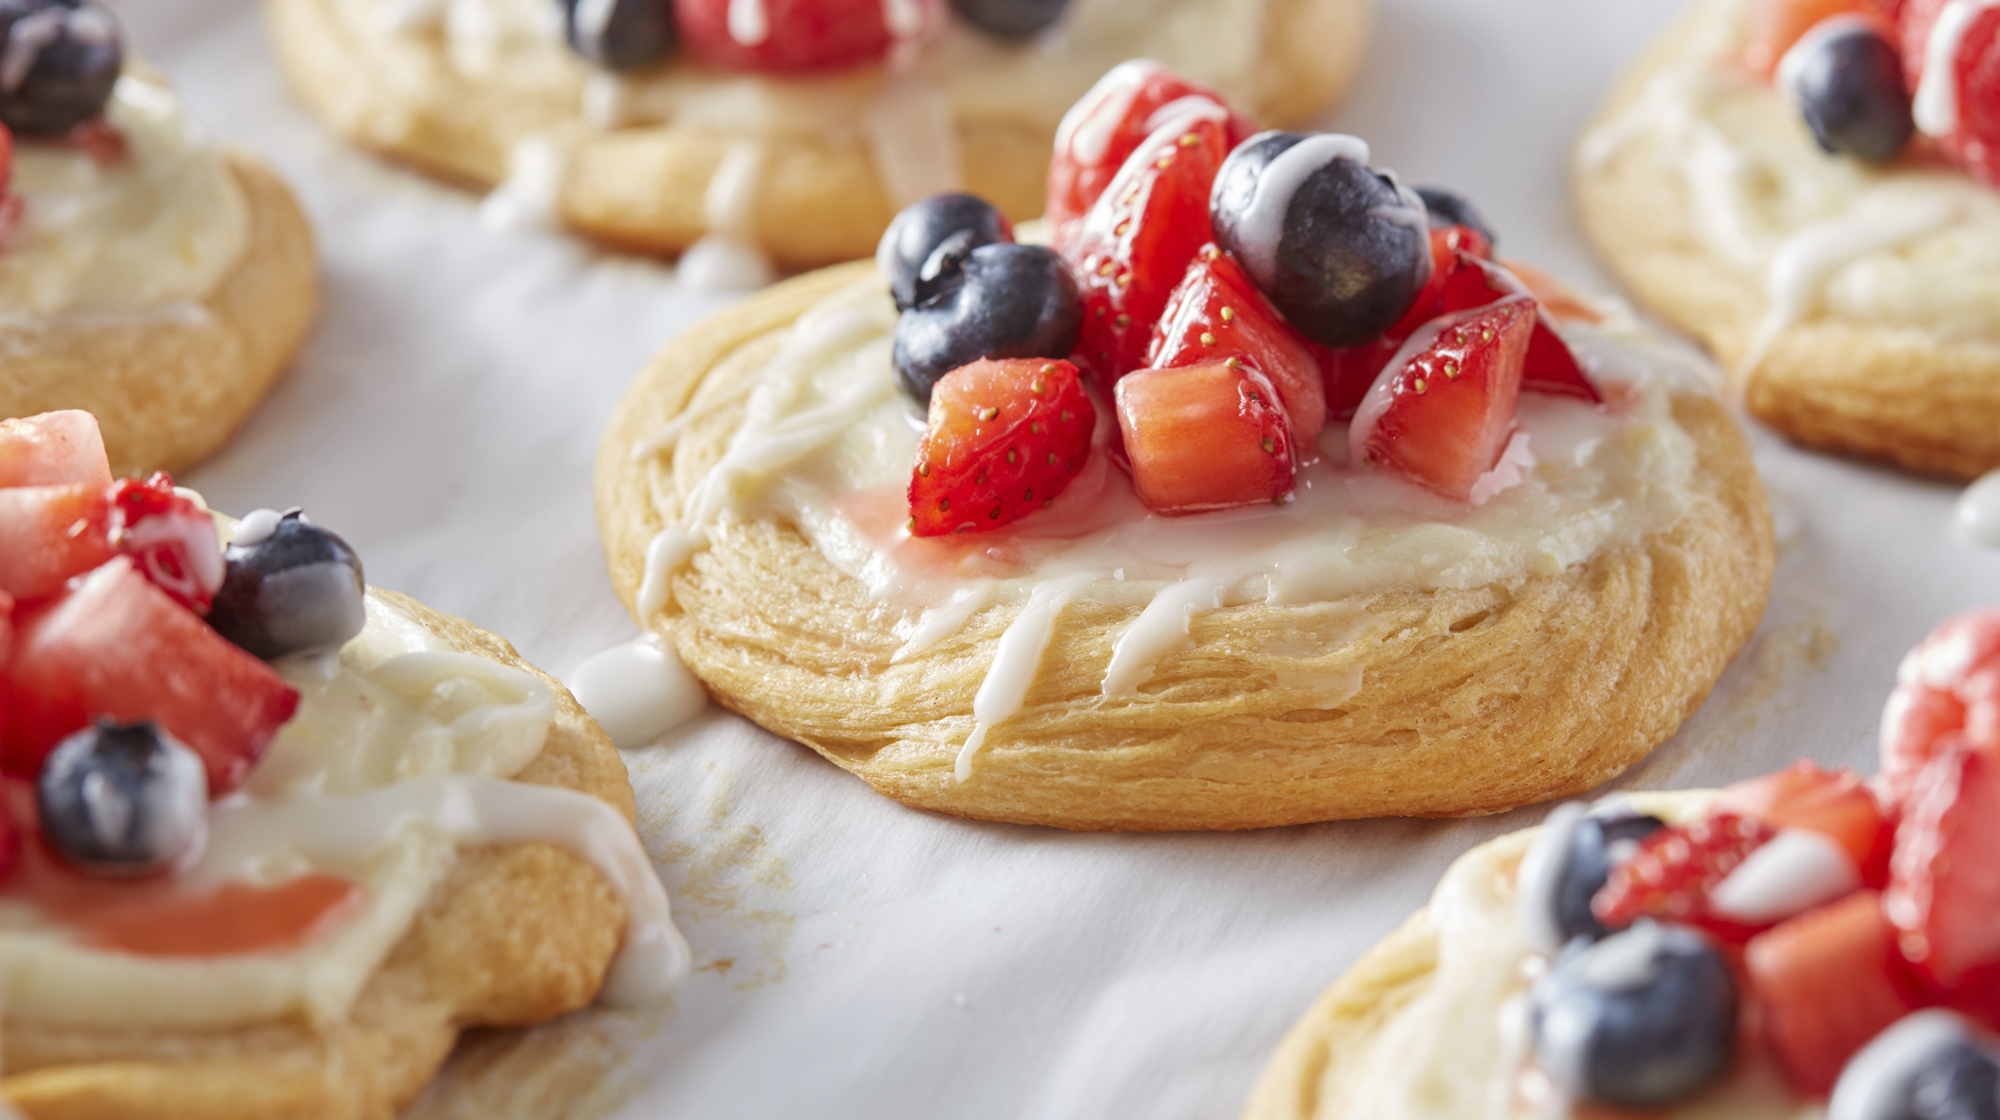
<point>531,195</point>
<point>256,527</point>
<point>1935,105</point>
<point>1797,870</point>
<point>1085,131</point>
<point>912,133</point>
<point>470,809</point>
<point>638,691</point>
<point>727,258</point>
<point>1978,513</point>
<point>1015,663</point>
<point>749,22</point>
<point>1263,220</point>
<point>1880,220</point>
<point>942,622</point>
<point>1163,628</point>
<point>903,18</point>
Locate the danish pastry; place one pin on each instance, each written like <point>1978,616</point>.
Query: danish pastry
<point>1583,966</point>
<point>1771,185</point>
<point>790,129</point>
<point>1229,613</point>
<point>268,841</point>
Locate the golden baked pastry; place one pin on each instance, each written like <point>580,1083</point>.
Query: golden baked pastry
<point>1444,702</point>
<point>514,934</point>
<point>1893,356</point>
<point>169,389</point>
<point>818,195</point>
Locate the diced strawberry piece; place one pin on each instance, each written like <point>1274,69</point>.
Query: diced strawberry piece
<point>803,35</point>
<point>1205,437</point>
<point>1134,245</point>
<point>172,539</point>
<point>53,449</point>
<point>1947,693</point>
<point>1827,981</point>
<point>1006,437</point>
<point>1975,141</point>
<point>1836,804</point>
<point>6,653</point>
<point>1444,416</point>
<point>1674,871</point>
<point>1775,25</point>
<point>1216,314</point>
<point>49,534</point>
<point>115,645</point>
<point>1099,132</point>
<point>1462,278</point>
<point>1944,880</point>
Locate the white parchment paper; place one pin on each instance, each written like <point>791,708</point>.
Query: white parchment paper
<point>858,959</point>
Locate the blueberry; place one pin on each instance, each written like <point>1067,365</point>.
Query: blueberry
<point>1640,1019</point>
<point>58,62</point>
<point>1446,209</point>
<point>122,799</point>
<point>290,587</point>
<point>1010,19</point>
<point>1007,301</point>
<point>929,241</point>
<point>1340,249</point>
<point>1930,1065</point>
<point>1849,83</point>
<point>619,34</point>
<point>1569,863</point>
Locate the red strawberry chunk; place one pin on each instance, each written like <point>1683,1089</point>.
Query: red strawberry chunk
<point>1216,314</point>
<point>1947,693</point>
<point>1443,416</point>
<point>172,539</point>
<point>1944,880</point>
<point>49,534</point>
<point>803,35</point>
<point>1205,437</point>
<point>115,645</point>
<point>53,449</point>
<point>1099,132</point>
<point>1462,278</point>
<point>1006,437</point>
<point>1826,982</point>
<point>1138,239</point>
<point>1675,869</point>
<point>1975,82</point>
<point>1836,804</point>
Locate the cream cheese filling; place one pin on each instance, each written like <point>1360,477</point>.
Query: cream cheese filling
<point>151,233</point>
<point>1460,1049</point>
<point>1913,244</point>
<point>825,442</point>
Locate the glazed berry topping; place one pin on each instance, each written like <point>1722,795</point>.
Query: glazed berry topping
<point>1957,100</point>
<point>1811,1027</point>
<point>291,588</point>
<point>782,36</point>
<point>1342,250</point>
<point>1100,132</point>
<point>1007,301</point>
<point>620,34</point>
<point>1004,439</point>
<point>172,539</point>
<point>1642,1018</point>
<point>1929,1066</point>
<point>1572,857</point>
<point>1010,19</point>
<point>1944,881</point>
<point>929,241</point>
<point>122,800</point>
<point>1676,869</point>
<point>58,62</point>
<point>1446,210</point>
<point>1849,84</point>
